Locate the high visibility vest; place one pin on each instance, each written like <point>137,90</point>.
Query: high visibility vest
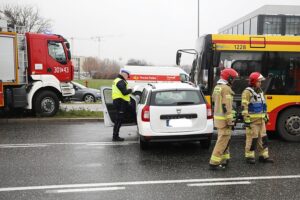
<point>257,107</point>
<point>116,93</point>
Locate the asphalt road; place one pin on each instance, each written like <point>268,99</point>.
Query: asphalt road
<point>79,161</point>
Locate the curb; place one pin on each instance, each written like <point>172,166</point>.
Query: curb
<point>21,120</point>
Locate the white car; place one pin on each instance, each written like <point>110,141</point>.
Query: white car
<point>167,112</point>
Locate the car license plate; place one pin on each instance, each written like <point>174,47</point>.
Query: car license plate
<point>179,123</point>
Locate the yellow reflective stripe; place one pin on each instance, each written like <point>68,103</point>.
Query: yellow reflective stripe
<point>250,154</point>
<point>245,101</point>
<point>229,116</point>
<point>219,117</point>
<point>244,112</point>
<point>226,156</point>
<point>265,153</point>
<point>228,96</point>
<point>216,158</point>
<point>261,115</point>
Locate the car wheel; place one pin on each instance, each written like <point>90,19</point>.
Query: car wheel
<point>144,145</point>
<point>288,125</point>
<point>205,144</point>
<point>88,98</point>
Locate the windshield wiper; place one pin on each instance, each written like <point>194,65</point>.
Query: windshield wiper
<point>185,103</point>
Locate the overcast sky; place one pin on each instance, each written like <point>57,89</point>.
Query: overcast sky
<point>143,29</point>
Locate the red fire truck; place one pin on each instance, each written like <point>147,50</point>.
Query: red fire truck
<point>35,71</point>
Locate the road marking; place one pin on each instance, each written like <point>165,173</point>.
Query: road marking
<point>86,190</point>
<point>67,143</point>
<point>155,182</point>
<point>219,183</point>
<point>7,146</point>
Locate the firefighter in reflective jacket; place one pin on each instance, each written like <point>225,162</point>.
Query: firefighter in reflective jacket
<point>121,100</point>
<point>223,118</point>
<point>255,117</point>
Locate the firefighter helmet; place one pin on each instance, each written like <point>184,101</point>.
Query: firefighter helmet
<point>229,74</point>
<point>255,77</point>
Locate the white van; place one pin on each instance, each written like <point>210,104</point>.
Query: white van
<point>140,76</point>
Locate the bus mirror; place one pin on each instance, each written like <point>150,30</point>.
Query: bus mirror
<point>216,58</point>
<point>202,87</point>
<point>178,58</point>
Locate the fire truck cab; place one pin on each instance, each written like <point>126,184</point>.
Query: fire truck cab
<point>35,71</point>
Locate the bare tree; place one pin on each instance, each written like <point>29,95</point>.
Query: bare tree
<point>26,16</point>
<point>137,62</point>
<point>91,65</point>
<point>109,69</point>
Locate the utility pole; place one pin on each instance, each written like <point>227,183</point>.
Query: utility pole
<point>198,23</point>
<point>98,39</point>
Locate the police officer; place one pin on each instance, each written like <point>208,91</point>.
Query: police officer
<point>255,116</point>
<point>121,99</point>
<point>223,118</point>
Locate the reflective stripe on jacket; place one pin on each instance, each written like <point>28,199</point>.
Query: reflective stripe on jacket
<point>116,93</point>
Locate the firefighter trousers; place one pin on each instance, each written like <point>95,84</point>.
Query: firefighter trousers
<point>256,138</point>
<point>221,150</point>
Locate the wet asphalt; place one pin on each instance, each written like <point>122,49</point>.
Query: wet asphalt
<point>52,160</point>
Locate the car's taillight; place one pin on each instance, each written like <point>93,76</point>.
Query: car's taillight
<point>209,111</point>
<point>146,114</point>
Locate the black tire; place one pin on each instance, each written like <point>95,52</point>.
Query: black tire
<point>205,144</point>
<point>144,145</point>
<point>288,125</point>
<point>46,104</point>
<point>89,98</point>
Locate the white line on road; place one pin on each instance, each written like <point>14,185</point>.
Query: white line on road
<point>47,187</point>
<point>7,146</point>
<point>67,143</point>
<point>219,183</point>
<point>86,190</point>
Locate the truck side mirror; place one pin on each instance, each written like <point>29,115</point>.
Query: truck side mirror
<point>69,54</point>
<point>68,45</point>
<point>178,58</point>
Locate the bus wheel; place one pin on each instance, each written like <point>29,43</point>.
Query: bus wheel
<point>46,104</point>
<point>289,125</point>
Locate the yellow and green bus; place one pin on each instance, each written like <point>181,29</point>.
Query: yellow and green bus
<point>276,57</point>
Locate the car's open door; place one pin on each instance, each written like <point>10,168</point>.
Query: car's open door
<point>109,110</point>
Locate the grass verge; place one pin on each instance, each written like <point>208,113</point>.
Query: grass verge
<point>96,83</point>
<point>78,114</point>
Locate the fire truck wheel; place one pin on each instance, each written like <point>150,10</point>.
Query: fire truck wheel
<point>46,104</point>
<point>289,125</point>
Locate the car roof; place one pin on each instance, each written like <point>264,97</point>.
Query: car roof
<point>171,86</point>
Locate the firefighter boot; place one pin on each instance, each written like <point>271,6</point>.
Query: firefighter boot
<point>225,163</point>
<point>117,139</point>
<point>265,160</point>
<point>216,167</point>
<point>250,160</point>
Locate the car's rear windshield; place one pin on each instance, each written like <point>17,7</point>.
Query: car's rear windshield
<point>176,98</point>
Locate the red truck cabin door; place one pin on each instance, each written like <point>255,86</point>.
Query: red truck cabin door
<point>57,61</point>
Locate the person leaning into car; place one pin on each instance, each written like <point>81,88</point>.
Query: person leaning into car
<point>121,99</point>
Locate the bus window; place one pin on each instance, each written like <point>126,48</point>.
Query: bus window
<point>284,68</point>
